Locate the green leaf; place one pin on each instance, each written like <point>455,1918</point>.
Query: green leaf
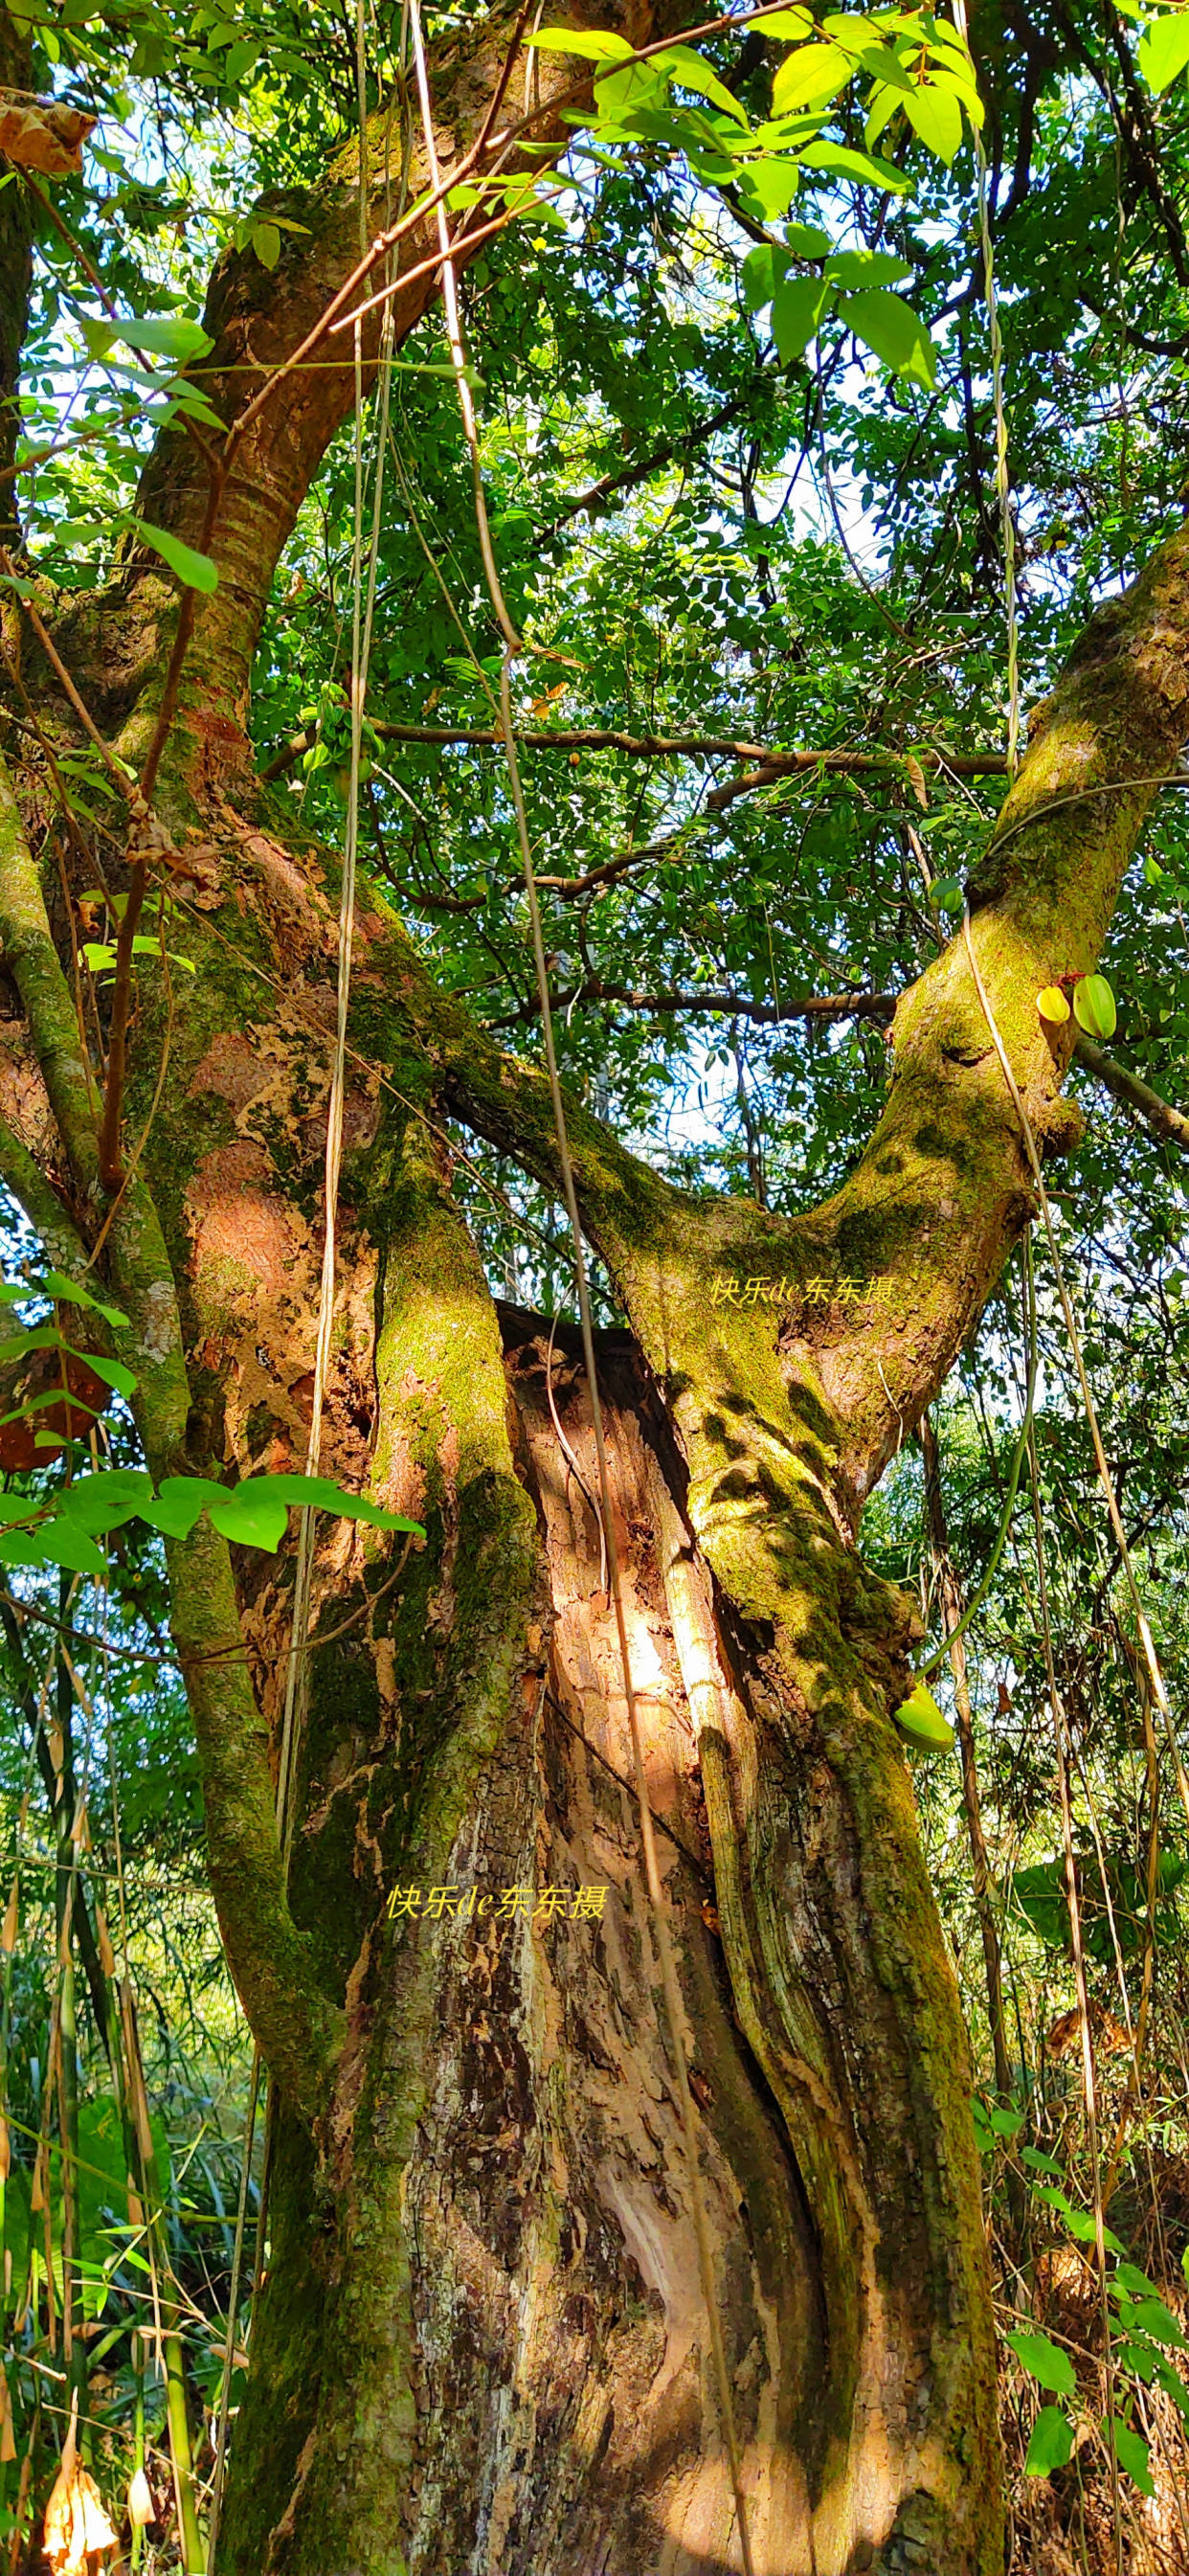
<point>947,893</point>
<point>266,242</point>
<point>789,26</point>
<point>112,1372</point>
<point>68,1293</point>
<point>811,77</point>
<point>106,1500</point>
<point>796,311</point>
<point>1151,2317</point>
<point>98,337</point>
<point>920,1719</point>
<point>40,1337</point>
<point>936,116</point>
<point>1163,49</point>
<point>17,1551</point>
<point>984,2135</point>
<point>1132,2454</point>
<point>320,1494</point>
<point>61,1545</point>
<point>1083,2227</point>
<point>1043,2361</point>
<point>1039,1894</point>
<point>195,570</point>
<point>1094,1006</point>
<point>886,324</point>
<point>867,268</point>
<point>808,241</point>
<point>594,44</point>
<point>771,185</point>
<point>863,166</point>
<point>1050,2444</point>
<point>180,1502</point>
<point>165,336</point>
<point>683,65</point>
<point>760,274</point>
<point>250,1515</point>
<point>1040,2164</point>
<point>1169,2378</point>
<point>1128,2276</point>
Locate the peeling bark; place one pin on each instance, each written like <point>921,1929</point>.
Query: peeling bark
<point>543,2281</point>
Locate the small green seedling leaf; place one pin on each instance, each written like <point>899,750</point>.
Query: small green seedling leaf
<point>1051,2443</point>
<point>919,1718</point>
<point>1043,2361</point>
<point>1094,1006</point>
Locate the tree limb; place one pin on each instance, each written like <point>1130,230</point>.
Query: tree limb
<point>774,762</point>
<point>1170,1125</point>
<point>822,1008</point>
<point>261,320</point>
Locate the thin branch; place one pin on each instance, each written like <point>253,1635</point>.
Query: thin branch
<point>1170,1125</point>
<point>772,761</point>
<point>598,494</point>
<point>819,1008</point>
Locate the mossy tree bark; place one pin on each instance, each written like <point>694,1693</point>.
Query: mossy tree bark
<point>480,2340</point>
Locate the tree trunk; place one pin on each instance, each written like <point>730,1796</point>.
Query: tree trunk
<point>484,2311</point>
<point>481,2341</point>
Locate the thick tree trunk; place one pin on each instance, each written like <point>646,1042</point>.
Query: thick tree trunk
<point>505,2216</point>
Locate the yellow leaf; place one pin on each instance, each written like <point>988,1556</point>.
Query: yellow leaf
<point>8,1937</point>
<point>1052,1006</point>
<point>916,780</point>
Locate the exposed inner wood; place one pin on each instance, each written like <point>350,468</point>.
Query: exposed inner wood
<point>569,2413</point>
